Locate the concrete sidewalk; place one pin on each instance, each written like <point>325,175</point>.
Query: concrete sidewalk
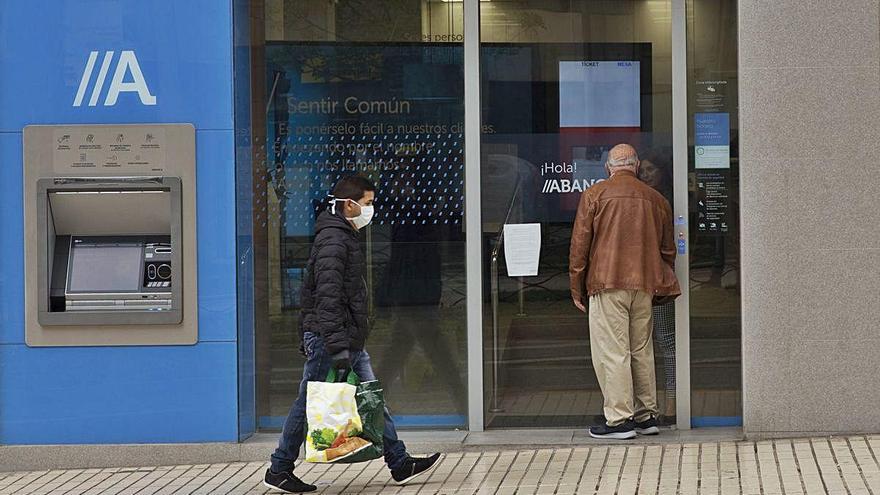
<point>258,447</point>
<point>802,466</point>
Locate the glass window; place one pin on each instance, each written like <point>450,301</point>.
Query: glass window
<point>562,83</point>
<point>713,168</point>
<point>373,88</point>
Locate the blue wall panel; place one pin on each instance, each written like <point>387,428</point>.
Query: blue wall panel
<point>11,247</point>
<point>183,49</point>
<point>118,394</point>
<point>122,394</point>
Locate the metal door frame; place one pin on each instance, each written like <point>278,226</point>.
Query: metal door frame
<point>680,212</point>
<point>473,215</point>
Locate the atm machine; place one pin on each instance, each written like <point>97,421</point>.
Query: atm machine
<point>110,235</point>
<point>110,273</point>
<point>110,245</point>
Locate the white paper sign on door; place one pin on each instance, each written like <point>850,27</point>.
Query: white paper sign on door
<point>522,248</point>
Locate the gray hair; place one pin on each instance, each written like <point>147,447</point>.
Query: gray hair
<point>630,161</point>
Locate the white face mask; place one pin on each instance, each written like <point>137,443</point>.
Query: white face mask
<point>364,218</point>
<point>359,221</point>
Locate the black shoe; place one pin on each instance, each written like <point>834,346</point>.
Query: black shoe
<point>414,467</point>
<point>287,483</point>
<point>623,431</point>
<point>647,427</point>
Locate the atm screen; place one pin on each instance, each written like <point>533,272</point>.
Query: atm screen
<point>105,267</point>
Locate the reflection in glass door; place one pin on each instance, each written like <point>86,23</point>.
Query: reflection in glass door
<point>562,83</point>
<point>713,192</point>
<point>349,92</point>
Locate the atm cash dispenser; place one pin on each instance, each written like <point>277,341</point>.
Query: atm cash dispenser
<point>110,245</point>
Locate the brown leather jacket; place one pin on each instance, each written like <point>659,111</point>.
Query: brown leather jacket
<point>622,239</point>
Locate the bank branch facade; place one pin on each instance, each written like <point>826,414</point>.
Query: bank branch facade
<point>163,163</point>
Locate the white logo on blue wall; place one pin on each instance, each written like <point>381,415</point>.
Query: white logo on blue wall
<point>127,64</point>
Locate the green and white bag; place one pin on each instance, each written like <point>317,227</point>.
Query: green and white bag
<point>335,415</point>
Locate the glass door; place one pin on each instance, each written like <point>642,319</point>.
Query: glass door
<point>561,83</point>
<point>374,89</point>
<point>713,194</point>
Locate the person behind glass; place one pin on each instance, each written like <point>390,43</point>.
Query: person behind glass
<point>621,263</point>
<point>658,178</point>
<point>334,328</point>
<point>411,291</point>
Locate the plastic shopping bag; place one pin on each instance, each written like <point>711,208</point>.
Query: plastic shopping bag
<point>335,430</point>
<point>370,400</point>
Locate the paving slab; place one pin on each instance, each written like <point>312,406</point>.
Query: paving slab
<point>681,465</point>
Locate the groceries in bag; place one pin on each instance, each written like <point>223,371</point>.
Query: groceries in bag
<point>334,415</point>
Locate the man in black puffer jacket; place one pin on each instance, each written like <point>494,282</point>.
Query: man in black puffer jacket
<point>334,329</point>
<point>334,296</point>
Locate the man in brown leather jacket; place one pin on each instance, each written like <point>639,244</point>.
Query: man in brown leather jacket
<point>621,262</point>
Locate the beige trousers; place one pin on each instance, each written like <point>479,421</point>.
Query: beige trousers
<point>623,353</point>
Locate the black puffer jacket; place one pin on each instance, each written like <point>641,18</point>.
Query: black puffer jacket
<point>334,294</point>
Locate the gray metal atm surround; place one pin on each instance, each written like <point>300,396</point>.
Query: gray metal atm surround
<point>60,161</point>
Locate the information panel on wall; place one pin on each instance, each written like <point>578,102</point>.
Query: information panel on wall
<point>712,202</point>
<point>115,151</point>
<point>712,140</point>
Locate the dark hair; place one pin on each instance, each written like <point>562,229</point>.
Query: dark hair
<point>657,176</point>
<point>352,187</point>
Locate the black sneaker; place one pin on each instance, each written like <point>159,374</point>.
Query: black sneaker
<point>286,483</point>
<point>623,431</point>
<point>647,427</point>
<point>414,467</point>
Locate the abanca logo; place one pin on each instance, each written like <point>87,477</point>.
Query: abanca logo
<point>568,185</point>
<point>127,64</point>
